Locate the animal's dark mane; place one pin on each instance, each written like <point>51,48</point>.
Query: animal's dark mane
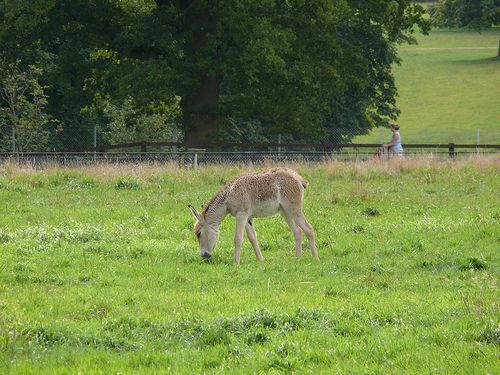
<point>220,195</point>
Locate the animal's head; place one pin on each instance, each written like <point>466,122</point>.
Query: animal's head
<point>207,235</point>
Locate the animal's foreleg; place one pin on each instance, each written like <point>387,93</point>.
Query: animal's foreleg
<point>309,232</point>
<point>238,237</point>
<point>297,234</point>
<point>252,237</point>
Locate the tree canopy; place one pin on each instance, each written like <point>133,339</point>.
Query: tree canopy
<point>233,69</point>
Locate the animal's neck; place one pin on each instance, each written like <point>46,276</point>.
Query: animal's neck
<point>216,210</point>
<point>214,217</point>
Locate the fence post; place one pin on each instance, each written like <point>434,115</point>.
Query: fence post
<point>174,139</point>
<point>13,138</point>
<point>478,140</point>
<point>94,143</point>
<point>195,163</point>
<point>451,150</point>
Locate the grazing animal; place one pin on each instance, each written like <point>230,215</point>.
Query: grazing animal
<point>255,195</point>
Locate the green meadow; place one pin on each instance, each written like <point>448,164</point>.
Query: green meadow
<point>100,273</point>
<point>449,88</point>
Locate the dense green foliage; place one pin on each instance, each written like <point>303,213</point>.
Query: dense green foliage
<point>466,13</point>
<point>233,69</point>
<point>24,99</point>
<point>100,272</point>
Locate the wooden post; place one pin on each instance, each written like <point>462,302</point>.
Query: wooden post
<point>175,139</point>
<point>451,150</point>
<point>13,138</point>
<point>94,143</point>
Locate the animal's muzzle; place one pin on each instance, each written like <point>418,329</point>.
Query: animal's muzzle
<point>205,255</point>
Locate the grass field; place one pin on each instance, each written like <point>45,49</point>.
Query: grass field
<point>100,273</point>
<point>449,87</point>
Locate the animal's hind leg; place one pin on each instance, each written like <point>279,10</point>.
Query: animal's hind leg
<point>252,237</point>
<point>297,234</point>
<point>309,231</point>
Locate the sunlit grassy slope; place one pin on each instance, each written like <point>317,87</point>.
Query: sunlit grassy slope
<point>100,273</point>
<point>449,87</point>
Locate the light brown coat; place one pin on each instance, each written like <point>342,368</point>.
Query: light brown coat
<point>255,195</point>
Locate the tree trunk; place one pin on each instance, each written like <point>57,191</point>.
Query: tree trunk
<point>199,110</point>
<point>200,105</point>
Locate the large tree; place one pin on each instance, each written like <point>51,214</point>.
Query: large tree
<point>476,14</point>
<point>298,68</point>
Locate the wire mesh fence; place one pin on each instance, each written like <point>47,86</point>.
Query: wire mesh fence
<point>88,139</point>
<point>85,145</point>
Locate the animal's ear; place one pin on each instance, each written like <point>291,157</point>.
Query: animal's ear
<point>196,214</point>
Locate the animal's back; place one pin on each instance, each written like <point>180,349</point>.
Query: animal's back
<point>266,185</point>
<point>287,173</point>
<point>263,193</point>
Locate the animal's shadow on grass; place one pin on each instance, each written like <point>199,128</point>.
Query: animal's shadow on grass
<point>212,261</point>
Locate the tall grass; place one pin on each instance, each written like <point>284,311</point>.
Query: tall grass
<point>103,171</point>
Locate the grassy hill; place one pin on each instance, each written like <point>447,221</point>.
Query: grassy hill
<point>449,87</point>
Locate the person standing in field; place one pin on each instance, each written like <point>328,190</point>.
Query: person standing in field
<point>394,146</point>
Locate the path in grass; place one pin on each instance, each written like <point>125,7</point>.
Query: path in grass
<point>448,85</point>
